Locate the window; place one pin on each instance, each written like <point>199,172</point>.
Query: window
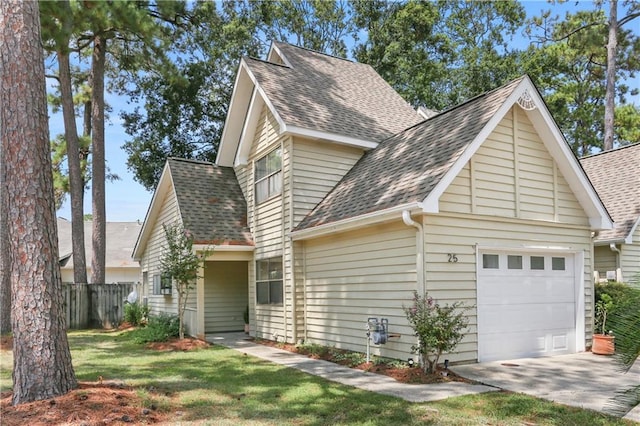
<point>557,263</point>
<point>537,263</point>
<point>490,261</point>
<point>269,281</point>
<point>514,262</point>
<point>162,284</point>
<point>268,175</point>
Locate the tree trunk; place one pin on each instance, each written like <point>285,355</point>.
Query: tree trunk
<point>5,281</point>
<point>42,361</point>
<point>98,161</point>
<point>609,105</point>
<point>76,179</point>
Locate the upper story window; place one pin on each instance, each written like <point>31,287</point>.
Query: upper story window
<point>268,176</point>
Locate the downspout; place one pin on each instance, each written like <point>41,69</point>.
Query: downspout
<point>406,218</point>
<point>616,250</point>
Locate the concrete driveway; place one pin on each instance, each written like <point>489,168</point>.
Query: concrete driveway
<point>582,380</point>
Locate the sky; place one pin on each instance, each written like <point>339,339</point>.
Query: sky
<point>128,201</point>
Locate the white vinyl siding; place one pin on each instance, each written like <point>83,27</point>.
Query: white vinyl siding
<point>356,275</point>
<point>317,168</point>
<point>225,295</point>
<point>512,175</point>
<point>449,282</point>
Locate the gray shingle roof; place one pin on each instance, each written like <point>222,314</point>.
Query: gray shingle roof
<point>121,238</point>
<point>406,167</point>
<point>616,177</point>
<point>333,95</point>
<point>211,202</point>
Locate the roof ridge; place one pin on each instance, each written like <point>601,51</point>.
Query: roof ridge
<point>316,51</point>
<point>620,148</point>
<point>190,160</point>
<point>264,61</point>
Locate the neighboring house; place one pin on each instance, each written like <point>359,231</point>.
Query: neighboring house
<point>354,201</point>
<point>119,266</point>
<point>616,177</point>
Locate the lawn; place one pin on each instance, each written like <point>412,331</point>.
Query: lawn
<point>221,386</point>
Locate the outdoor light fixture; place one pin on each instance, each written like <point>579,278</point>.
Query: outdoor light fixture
<point>410,362</point>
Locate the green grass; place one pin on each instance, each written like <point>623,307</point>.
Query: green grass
<point>222,386</point>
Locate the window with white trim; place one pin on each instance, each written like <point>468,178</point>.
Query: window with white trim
<point>269,281</point>
<point>268,176</point>
<point>162,284</point>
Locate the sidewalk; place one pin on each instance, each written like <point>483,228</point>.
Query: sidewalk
<point>347,376</point>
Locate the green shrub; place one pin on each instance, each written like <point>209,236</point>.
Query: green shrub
<point>160,328</point>
<point>135,313</point>
<point>348,358</point>
<point>623,298</point>
<point>438,328</point>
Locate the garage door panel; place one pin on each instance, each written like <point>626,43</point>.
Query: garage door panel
<point>498,289</point>
<point>522,345</point>
<point>526,308</point>
<point>533,316</point>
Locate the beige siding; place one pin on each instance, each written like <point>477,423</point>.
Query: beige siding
<point>225,296</point>
<point>458,234</point>
<point>150,262</point>
<point>317,168</point>
<point>356,275</point>
<point>268,222</point>
<point>512,175</point>
<point>604,260</point>
<point>630,260</point>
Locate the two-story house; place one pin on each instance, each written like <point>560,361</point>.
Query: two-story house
<point>332,201</point>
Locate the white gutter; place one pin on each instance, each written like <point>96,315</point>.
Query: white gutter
<point>616,250</point>
<point>203,247</point>
<point>406,218</point>
<point>354,222</point>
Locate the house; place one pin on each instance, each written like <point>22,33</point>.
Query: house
<point>346,201</point>
<point>616,177</point>
<point>119,266</point>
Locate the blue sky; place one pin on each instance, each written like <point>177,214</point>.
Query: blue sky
<point>127,200</point>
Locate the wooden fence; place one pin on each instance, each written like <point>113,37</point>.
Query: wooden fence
<point>95,305</point>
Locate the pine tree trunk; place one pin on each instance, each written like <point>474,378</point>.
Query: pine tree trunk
<point>42,361</point>
<point>5,282</point>
<point>76,179</point>
<point>609,105</point>
<point>98,160</point>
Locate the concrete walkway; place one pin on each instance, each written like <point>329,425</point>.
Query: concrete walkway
<point>582,380</point>
<point>347,376</point>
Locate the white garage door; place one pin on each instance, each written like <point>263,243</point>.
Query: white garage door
<point>526,305</point>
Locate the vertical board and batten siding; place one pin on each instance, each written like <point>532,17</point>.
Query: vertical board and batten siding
<point>225,295</point>
<point>317,168</point>
<point>604,260</point>
<point>359,274</point>
<point>511,176</point>
<point>150,261</point>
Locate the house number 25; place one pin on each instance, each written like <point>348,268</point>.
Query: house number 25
<point>453,258</point>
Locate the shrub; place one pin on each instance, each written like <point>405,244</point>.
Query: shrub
<point>617,297</point>
<point>135,313</point>
<point>160,328</point>
<point>439,328</point>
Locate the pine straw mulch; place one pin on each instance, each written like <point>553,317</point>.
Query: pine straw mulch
<point>403,374</point>
<point>105,402</point>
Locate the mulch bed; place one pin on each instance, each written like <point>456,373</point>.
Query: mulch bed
<point>409,375</point>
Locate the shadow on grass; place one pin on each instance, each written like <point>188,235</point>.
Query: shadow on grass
<point>223,385</point>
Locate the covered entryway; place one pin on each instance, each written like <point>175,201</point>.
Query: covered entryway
<point>526,304</point>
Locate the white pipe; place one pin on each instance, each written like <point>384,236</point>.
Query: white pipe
<point>616,250</point>
<point>406,218</point>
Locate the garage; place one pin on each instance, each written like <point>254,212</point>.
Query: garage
<point>526,304</point>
